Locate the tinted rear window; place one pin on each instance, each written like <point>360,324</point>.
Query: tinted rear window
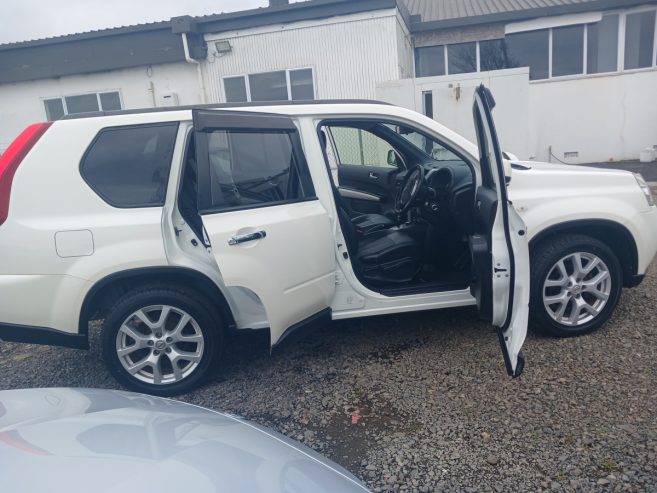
<point>129,166</point>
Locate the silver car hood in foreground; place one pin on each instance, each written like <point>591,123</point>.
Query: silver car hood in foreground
<point>86,440</point>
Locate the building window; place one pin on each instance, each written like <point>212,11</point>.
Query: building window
<point>56,108</point>
<point>493,55</point>
<point>281,85</point>
<point>554,52</point>
<point>567,50</point>
<point>602,45</point>
<point>427,103</point>
<point>462,58</point>
<point>639,39</point>
<point>430,61</point>
<point>530,49</point>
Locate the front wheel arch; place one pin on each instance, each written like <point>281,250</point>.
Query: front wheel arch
<point>616,236</point>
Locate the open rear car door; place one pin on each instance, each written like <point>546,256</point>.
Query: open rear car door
<point>499,247</point>
<point>268,231</point>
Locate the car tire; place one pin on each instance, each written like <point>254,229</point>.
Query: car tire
<point>161,340</point>
<point>570,291</point>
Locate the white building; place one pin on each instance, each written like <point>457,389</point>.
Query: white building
<point>574,79</point>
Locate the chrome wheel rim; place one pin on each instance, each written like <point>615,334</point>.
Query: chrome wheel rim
<point>159,344</point>
<point>577,289</point>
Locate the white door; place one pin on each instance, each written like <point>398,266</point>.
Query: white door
<point>268,231</point>
<point>499,246</point>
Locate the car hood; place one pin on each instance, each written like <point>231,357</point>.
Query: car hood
<point>81,440</point>
<point>541,167</point>
<point>532,181</point>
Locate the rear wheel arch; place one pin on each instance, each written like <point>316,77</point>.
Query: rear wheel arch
<point>106,291</point>
<point>616,236</point>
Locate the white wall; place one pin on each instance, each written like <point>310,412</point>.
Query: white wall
<point>602,117</point>
<point>510,89</point>
<point>348,53</point>
<point>22,103</point>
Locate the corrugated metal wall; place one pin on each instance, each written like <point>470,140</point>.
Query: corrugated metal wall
<point>348,56</point>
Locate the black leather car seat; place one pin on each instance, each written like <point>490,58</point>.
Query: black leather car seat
<point>388,256</point>
<point>364,223</point>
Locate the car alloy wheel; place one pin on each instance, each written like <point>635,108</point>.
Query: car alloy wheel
<point>160,344</point>
<point>577,289</point>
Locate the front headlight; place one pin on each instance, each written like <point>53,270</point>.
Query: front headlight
<point>645,188</point>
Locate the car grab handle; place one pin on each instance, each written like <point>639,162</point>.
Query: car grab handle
<point>237,239</point>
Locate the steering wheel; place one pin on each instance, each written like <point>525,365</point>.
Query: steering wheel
<point>410,189</point>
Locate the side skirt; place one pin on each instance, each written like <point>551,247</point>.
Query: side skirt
<point>42,335</point>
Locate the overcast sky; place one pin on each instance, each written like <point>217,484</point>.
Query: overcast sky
<point>21,20</point>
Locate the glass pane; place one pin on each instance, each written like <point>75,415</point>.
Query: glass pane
<point>251,168</point>
<point>110,101</point>
<point>529,49</point>
<point>639,36</point>
<point>493,55</point>
<point>271,86</point>
<point>129,167</point>
<point>81,104</point>
<point>462,58</point>
<point>357,146</point>
<point>432,148</point>
<point>235,88</point>
<point>567,50</point>
<point>602,45</point>
<point>301,85</point>
<point>54,109</point>
<point>429,61</point>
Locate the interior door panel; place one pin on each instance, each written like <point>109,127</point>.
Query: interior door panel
<point>380,181</point>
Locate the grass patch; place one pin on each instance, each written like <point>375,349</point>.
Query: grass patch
<point>609,465</point>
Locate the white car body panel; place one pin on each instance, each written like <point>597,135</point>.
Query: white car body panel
<point>291,270</point>
<point>40,288</point>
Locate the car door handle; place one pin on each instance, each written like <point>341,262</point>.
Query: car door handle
<point>237,239</point>
<point>374,176</point>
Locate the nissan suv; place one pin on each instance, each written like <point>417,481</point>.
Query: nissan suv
<point>176,226</point>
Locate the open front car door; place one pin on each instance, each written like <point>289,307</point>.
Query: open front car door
<point>500,252</point>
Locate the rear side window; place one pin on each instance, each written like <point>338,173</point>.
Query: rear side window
<point>129,166</point>
<point>252,169</point>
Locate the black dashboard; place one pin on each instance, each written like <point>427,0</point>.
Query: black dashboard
<point>450,192</point>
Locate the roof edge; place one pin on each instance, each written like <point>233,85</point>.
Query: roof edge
<point>518,15</point>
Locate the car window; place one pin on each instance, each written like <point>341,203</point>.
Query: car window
<point>129,166</point>
<point>356,146</point>
<point>435,150</point>
<point>250,169</point>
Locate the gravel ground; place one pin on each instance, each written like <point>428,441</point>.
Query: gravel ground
<point>421,402</point>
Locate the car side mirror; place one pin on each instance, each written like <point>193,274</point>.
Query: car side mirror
<point>392,158</point>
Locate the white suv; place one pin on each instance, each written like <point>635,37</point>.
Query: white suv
<point>176,226</point>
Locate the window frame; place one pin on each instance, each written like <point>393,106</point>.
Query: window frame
<point>288,84</point>
<point>337,120</point>
<point>251,123</point>
<point>127,127</point>
<point>63,97</point>
<point>620,56</point>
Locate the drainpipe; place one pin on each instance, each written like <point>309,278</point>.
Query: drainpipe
<point>199,73</point>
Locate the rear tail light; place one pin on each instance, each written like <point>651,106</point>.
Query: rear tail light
<point>12,157</point>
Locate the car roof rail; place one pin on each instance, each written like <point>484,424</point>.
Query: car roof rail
<point>220,106</point>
